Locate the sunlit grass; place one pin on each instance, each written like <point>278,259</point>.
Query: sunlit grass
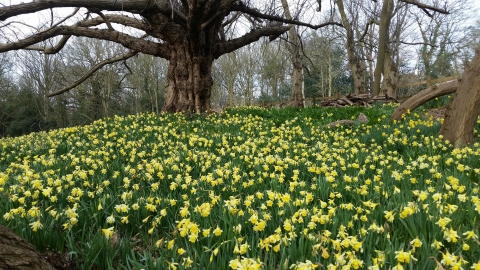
<point>258,188</point>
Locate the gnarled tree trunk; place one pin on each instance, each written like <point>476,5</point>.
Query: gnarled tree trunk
<point>189,79</point>
<point>16,253</point>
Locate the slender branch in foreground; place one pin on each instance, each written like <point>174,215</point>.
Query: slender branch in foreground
<point>92,71</point>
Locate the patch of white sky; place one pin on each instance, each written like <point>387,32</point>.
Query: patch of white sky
<point>31,23</point>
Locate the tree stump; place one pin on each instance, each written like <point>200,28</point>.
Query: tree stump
<point>462,112</point>
<point>16,253</point>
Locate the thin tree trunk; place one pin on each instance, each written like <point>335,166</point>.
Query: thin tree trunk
<point>297,98</point>
<point>385,18</point>
<point>230,84</point>
<point>390,76</point>
<point>353,59</point>
<point>330,76</point>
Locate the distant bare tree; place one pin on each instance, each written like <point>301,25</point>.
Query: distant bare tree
<point>190,34</point>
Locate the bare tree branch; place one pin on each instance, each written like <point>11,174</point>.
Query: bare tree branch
<point>258,14</point>
<point>92,71</point>
<point>232,19</point>
<point>51,50</point>
<point>254,35</point>
<point>370,22</point>
<point>107,22</point>
<point>112,18</point>
<point>123,20</point>
<point>132,6</point>
<point>22,23</point>
<point>133,43</point>
<point>126,74</point>
<point>425,7</point>
<point>415,43</point>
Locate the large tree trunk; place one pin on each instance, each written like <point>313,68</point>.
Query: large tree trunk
<point>424,96</point>
<point>16,253</point>
<point>462,112</point>
<point>189,79</point>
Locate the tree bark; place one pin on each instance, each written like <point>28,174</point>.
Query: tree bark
<point>16,253</point>
<point>385,19</point>
<point>298,96</point>
<point>390,76</point>
<point>462,112</point>
<point>189,79</point>
<point>353,58</point>
<point>424,96</point>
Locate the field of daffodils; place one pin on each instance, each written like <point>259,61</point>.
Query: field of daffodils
<point>251,188</point>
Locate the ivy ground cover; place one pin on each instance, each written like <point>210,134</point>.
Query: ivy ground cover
<point>249,189</point>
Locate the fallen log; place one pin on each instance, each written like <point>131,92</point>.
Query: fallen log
<point>362,118</point>
<point>424,96</point>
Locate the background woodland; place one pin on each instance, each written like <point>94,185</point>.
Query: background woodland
<point>422,46</point>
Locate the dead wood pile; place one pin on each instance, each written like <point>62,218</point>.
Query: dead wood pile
<point>357,100</point>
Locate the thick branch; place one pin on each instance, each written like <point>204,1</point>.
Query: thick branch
<point>424,96</point>
<point>132,6</point>
<point>93,70</point>
<point>258,14</point>
<point>425,6</point>
<point>120,19</point>
<point>133,43</point>
<point>112,18</point>
<point>254,35</point>
<point>107,22</point>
